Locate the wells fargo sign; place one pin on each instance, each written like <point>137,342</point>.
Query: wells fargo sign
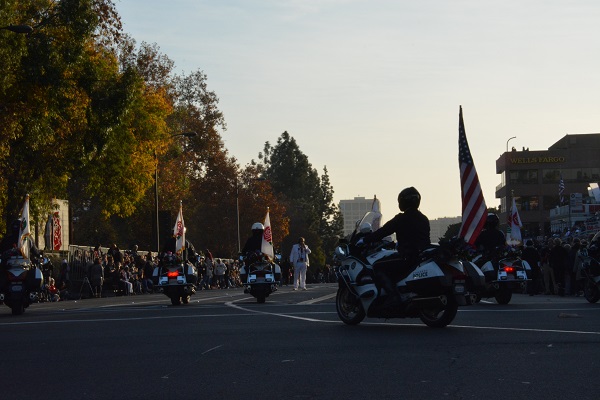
<point>537,160</point>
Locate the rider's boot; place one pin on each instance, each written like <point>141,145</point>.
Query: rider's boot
<point>393,297</point>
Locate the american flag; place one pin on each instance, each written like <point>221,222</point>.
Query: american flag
<point>561,190</point>
<point>473,205</point>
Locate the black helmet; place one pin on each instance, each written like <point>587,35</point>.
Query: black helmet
<point>491,221</point>
<point>409,198</point>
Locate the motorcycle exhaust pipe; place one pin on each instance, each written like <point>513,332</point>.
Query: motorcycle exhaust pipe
<point>437,301</point>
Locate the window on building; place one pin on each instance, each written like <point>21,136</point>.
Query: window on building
<point>527,176</point>
<point>527,203</point>
<point>552,176</point>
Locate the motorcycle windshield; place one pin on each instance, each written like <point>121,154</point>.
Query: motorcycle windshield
<point>370,222</point>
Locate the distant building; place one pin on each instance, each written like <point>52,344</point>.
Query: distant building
<point>439,226</point>
<point>535,177</point>
<point>353,211</point>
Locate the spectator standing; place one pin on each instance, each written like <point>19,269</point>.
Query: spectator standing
<point>220,269</point>
<point>532,256</point>
<point>285,272</point>
<point>547,273</point>
<point>208,273</point>
<point>148,271</point>
<point>97,277</point>
<point>570,281</point>
<point>558,262</point>
<point>299,259</point>
<point>124,279</point>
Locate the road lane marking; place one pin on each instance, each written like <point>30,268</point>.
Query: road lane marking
<point>318,299</point>
<point>203,353</point>
<point>232,305</point>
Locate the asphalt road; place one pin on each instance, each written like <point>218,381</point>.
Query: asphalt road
<point>223,345</point>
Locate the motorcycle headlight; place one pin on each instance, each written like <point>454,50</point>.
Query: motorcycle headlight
<point>341,251</point>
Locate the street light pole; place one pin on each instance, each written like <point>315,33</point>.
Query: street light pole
<point>187,135</point>
<point>514,137</point>
<point>237,209</point>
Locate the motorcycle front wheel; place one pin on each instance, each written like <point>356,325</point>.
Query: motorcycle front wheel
<point>440,317</point>
<point>349,307</point>
<point>591,292</point>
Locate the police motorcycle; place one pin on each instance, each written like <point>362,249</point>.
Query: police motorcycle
<point>260,276</point>
<point>20,281</point>
<point>175,278</point>
<point>505,272</point>
<point>441,281</point>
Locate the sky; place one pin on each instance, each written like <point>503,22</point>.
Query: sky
<point>371,89</point>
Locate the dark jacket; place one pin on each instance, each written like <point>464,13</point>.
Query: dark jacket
<point>411,228</point>
<point>489,240</point>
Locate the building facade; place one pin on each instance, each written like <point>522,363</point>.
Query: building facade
<point>533,178</point>
<point>353,211</point>
<point>439,226</point>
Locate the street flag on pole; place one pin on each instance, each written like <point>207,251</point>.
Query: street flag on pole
<point>561,190</point>
<point>474,211</point>
<point>376,207</point>
<point>24,231</point>
<point>179,232</point>
<point>267,239</point>
<point>514,223</point>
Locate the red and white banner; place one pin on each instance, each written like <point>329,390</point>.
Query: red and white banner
<point>56,232</point>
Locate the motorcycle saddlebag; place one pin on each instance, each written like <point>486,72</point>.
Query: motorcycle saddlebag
<point>155,274</point>
<point>35,279</point>
<point>191,274</point>
<point>277,273</point>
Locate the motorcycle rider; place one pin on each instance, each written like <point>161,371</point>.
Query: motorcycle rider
<point>254,243</point>
<point>412,236</point>
<point>491,237</point>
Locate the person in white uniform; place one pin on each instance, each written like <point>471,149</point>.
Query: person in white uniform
<point>299,259</point>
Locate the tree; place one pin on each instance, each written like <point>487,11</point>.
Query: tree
<point>67,103</point>
<point>308,198</point>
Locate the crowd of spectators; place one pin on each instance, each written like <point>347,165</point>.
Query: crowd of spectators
<point>101,272</point>
<point>557,265</point>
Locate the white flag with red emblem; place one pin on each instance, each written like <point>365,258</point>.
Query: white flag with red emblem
<point>179,232</point>
<point>514,225</point>
<point>24,231</point>
<point>267,239</point>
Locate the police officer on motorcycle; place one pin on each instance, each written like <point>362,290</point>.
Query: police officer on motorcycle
<point>491,238</point>
<point>254,243</point>
<point>412,236</point>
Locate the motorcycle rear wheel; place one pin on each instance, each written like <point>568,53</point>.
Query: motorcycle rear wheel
<point>503,296</point>
<point>591,292</point>
<point>175,300</point>
<point>440,317</point>
<point>17,307</point>
<point>349,307</point>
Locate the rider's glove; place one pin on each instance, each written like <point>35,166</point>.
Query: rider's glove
<point>360,242</point>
